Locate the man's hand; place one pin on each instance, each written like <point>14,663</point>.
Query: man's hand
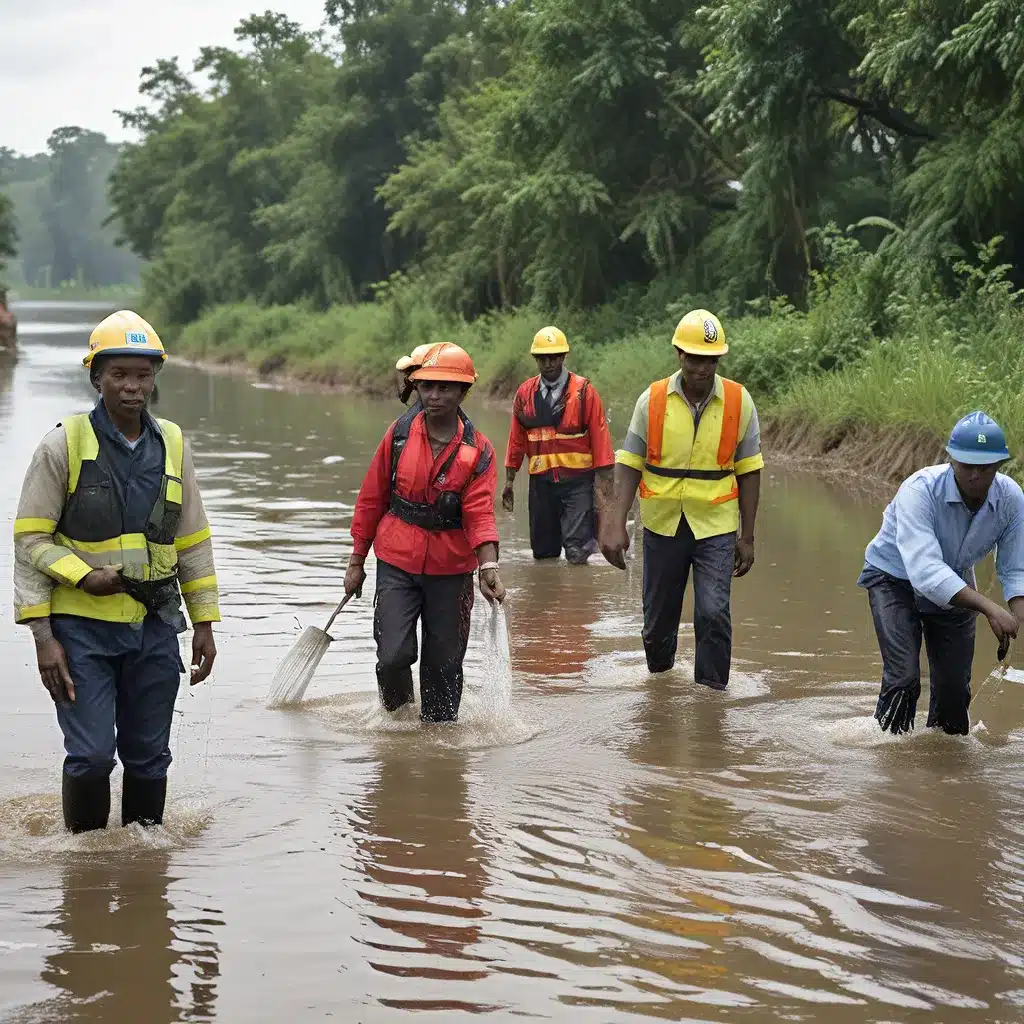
<point>743,558</point>
<point>102,582</point>
<point>614,541</point>
<point>508,498</point>
<point>1004,625</point>
<point>355,577</point>
<point>491,586</point>
<point>53,670</point>
<point>204,651</point>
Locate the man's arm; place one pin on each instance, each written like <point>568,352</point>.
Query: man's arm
<point>919,548</point>
<point>515,451</point>
<point>602,452</point>
<point>481,527</point>
<point>39,560</point>
<point>371,507</point>
<point>194,544</point>
<point>629,465</point>
<point>749,486</point>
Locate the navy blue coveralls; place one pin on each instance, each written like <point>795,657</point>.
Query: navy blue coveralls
<point>126,675</point>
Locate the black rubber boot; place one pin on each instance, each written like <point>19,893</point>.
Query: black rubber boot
<point>86,802</point>
<point>142,800</point>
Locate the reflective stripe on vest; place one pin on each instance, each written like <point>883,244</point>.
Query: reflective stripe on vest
<point>564,444</point>
<point>732,394</point>
<point>140,558</point>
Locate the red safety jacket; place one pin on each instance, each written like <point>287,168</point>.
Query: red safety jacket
<point>466,467</point>
<point>570,439</point>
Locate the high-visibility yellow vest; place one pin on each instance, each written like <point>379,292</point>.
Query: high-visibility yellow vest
<point>90,525</point>
<point>691,471</point>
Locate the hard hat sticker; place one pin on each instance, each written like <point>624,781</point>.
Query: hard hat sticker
<point>710,331</point>
<point>982,439</point>
<point>136,338</point>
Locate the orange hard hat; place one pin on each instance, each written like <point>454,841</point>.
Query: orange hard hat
<point>446,361</point>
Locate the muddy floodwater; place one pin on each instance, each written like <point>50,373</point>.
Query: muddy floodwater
<point>605,846</point>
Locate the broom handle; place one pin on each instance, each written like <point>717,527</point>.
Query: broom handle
<point>344,601</point>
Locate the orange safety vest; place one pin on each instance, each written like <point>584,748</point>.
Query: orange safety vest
<point>727,441</point>
<point>558,441</point>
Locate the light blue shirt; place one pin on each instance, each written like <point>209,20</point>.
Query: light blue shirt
<point>930,537</point>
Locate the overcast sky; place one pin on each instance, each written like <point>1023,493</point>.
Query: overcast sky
<point>72,62</point>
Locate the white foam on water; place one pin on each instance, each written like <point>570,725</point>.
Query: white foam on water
<point>32,827</point>
<point>486,715</point>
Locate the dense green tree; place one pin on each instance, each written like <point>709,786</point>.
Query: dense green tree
<point>8,234</point>
<point>559,151</point>
<point>60,206</point>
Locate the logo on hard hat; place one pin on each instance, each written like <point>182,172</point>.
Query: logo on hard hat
<point>710,332</point>
<point>136,338</point>
<point>982,439</point>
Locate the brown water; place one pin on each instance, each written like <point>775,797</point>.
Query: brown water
<point>614,847</point>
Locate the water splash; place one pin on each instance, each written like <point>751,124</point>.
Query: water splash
<point>32,827</point>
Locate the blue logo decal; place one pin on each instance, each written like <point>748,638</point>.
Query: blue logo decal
<point>136,338</point>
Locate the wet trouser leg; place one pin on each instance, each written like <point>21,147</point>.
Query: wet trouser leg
<point>126,681</point>
<point>397,606</point>
<point>150,677</point>
<point>949,641</point>
<point>666,570</point>
<point>576,497</point>
<point>667,564</point>
<point>899,630</point>
<point>713,561</point>
<point>545,517</point>
<point>447,608</point>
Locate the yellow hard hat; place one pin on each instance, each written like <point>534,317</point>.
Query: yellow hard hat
<point>549,341</point>
<point>700,333</point>
<point>124,333</point>
<point>414,359</point>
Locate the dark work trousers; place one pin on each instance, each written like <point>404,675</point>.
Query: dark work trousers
<point>667,564</point>
<point>126,681</point>
<point>562,514</point>
<point>900,625</point>
<point>444,604</point>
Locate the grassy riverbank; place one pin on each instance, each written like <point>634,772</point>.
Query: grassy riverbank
<point>116,294</point>
<point>866,369</point>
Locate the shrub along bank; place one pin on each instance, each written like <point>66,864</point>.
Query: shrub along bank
<point>875,359</point>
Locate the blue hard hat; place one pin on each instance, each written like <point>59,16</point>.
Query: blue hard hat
<point>977,440</point>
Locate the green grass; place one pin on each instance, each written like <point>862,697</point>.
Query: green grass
<point>126,295</point>
<point>863,354</point>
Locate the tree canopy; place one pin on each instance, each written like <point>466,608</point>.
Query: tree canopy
<point>559,151</point>
<point>54,210</point>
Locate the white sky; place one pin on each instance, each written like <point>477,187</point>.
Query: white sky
<point>72,62</point>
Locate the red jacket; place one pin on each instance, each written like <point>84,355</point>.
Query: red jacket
<point>412,548</point>
<point>574,440</point>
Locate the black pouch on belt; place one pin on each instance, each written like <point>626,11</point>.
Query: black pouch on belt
<point>152,594</point>
<point>444,514</point>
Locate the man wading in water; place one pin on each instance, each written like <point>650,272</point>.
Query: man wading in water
<point>559,426</point>
<point>919,575</point>
<point>109,524</point>
<point>694,450</point>
<point>426,507</point>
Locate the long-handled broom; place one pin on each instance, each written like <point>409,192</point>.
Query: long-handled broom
<point>297,667</point>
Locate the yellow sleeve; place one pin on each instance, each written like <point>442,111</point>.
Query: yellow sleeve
<point>39,561</point>
<point>194,543</point>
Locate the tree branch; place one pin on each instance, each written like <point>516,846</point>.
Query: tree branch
<point>898,120</point>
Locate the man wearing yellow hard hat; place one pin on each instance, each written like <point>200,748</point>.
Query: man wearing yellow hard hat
<point>693,449</point>
<point>110,534</point>
<point>406,366</point>
<point>559,426</point>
